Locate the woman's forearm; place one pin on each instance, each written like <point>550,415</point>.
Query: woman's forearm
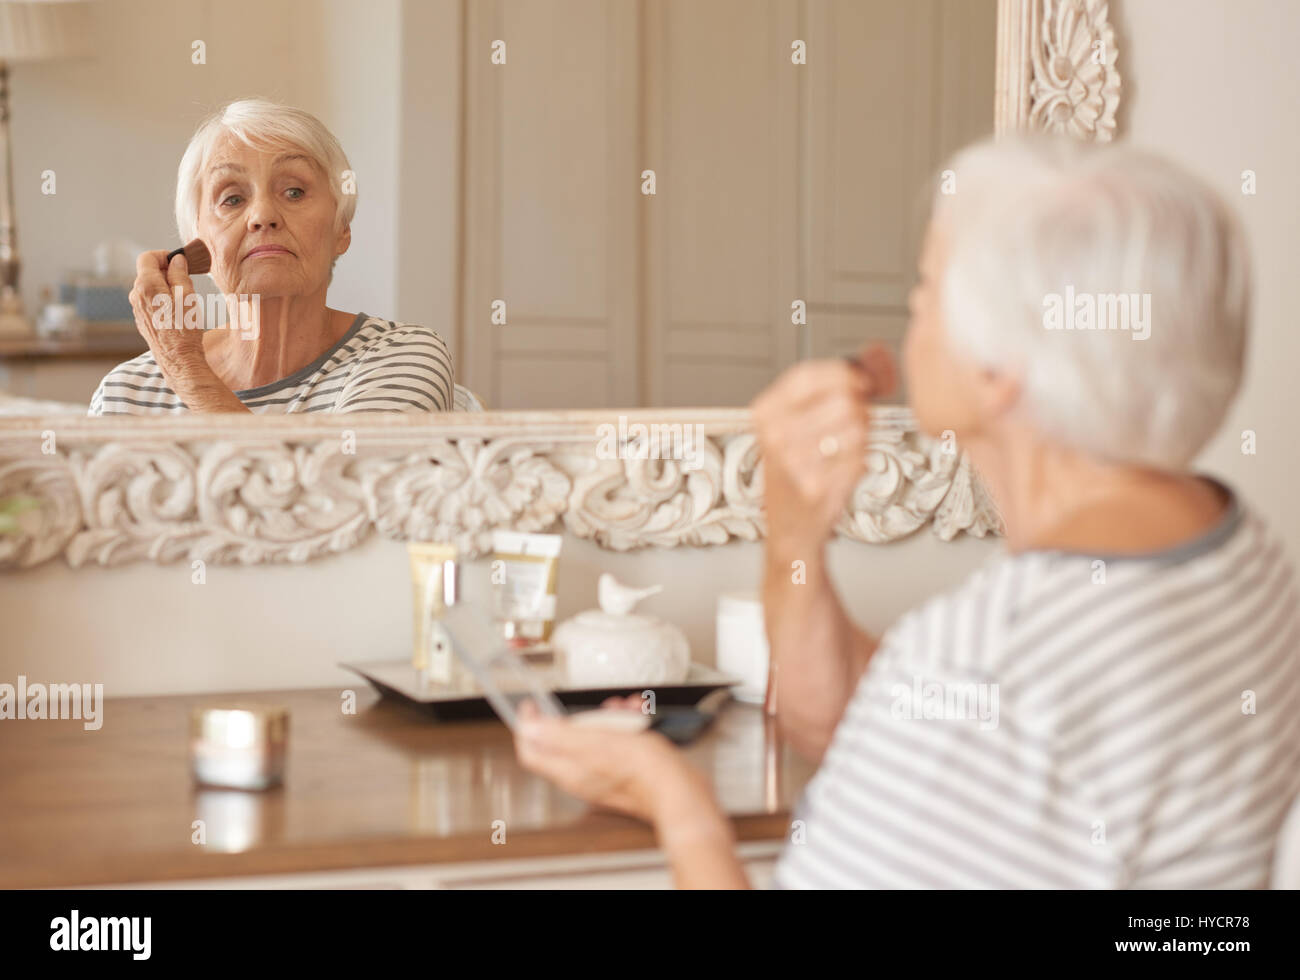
<point>818,652</point>
<point>198,386</point>
<point>704,857</point>
<point>695,835</point>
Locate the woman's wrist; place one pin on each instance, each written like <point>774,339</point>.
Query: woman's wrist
<point>184,369</point>
<point>197,385</point>
<point>695,836</point>
<point>192,376</point>
<point>677,797</point>
<point>782,547</point>
<point>189,362</point>
<point>702,824</point>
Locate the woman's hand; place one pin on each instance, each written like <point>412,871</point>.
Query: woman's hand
<point>161,321</point>
<point>641,774</point>
<point>812,425</point>
<point>177,341</point>
<point>619,770</point>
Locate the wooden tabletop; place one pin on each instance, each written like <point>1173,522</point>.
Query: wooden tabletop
<point>384,786</point>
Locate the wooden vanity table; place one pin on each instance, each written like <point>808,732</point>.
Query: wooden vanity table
<point>381,798</point>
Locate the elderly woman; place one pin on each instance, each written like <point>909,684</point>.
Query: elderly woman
<point>1138,639</point>
<point>268,190</point>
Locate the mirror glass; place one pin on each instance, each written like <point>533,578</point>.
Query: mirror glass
<point>564,203</point>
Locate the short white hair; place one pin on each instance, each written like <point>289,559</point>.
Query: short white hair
<point>265,126</point>
<point>1030,216</point>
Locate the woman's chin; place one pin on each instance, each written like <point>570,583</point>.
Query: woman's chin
<point>270,284</point>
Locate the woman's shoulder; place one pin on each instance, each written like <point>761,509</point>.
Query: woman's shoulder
<point>141,371</point>
<point>142,365</point>
<point>397,366</point>
<point>133,387</point>
<point>937,630</point>
<point>376,332</point>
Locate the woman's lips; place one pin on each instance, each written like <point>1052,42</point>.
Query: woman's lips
<point>268,250</point>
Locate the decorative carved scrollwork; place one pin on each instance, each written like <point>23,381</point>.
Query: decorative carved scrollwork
<point>458,491</point>
<point>113,494</point>
<point>46,529</point>
<point>1075,87</point>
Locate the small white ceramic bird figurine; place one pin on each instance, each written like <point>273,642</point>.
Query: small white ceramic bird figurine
<point>617,598</point>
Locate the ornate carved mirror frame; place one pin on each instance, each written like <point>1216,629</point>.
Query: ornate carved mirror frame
<point>251,489</point>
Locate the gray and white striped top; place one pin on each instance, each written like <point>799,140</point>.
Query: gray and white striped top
<point>1141,728</point>
<point>377,366</point>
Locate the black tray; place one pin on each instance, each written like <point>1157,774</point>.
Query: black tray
<point>397,679</point>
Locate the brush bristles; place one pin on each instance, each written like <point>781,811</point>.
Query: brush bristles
<point>197,257</point>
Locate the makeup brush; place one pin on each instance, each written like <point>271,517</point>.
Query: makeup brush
<point>878,365</point>
<point>197,257</point>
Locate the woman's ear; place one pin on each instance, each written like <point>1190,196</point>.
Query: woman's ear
<point>998,391</point>
<point>344,241</point>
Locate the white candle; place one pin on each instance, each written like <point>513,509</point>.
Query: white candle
<point>742,649</point>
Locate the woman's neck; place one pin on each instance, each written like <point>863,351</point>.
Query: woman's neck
<point>290,333</point>
<point>1055,499</point>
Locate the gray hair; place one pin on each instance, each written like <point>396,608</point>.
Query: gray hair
<point>1035,217</point>
<point>263,125</point>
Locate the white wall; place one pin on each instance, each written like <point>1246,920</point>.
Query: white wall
<point>1213,83</point>
<point>148,629</point>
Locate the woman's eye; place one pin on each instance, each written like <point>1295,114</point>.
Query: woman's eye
<point>295,193</point>
<point>233,197</point>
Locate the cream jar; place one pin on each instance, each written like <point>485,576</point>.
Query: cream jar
<point>613,647</point>
<point>239,746</point>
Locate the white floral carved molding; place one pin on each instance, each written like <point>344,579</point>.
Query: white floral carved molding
<point>1057,68</point>
<point>286,490</point>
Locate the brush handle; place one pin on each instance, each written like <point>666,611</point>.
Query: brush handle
<point>197,258</point>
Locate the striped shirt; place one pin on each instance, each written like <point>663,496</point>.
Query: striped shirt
<point>1071,721</point>
<point>377,366</point>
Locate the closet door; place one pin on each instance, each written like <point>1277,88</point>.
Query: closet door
<point>721,134</point>
<point>893,89</point>
<point>551,198</point>
<point>774,182</point>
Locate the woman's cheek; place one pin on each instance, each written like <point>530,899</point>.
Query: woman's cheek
<point>913,356</point>
<point>918,369</point>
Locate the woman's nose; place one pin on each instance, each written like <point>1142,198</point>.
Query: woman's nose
<point>263,214</point>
